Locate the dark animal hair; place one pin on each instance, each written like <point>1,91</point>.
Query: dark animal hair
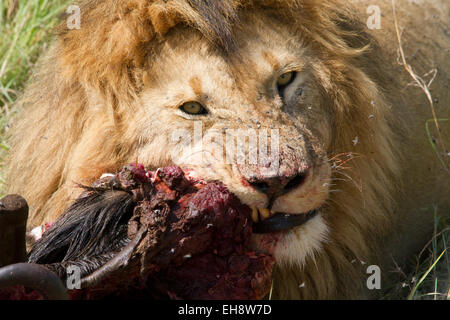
<point>88,233</point>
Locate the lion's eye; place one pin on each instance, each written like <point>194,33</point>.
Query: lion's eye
<point>193,108</point>
<point>285,79</point>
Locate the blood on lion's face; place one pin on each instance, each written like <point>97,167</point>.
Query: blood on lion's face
<point>259,125</point>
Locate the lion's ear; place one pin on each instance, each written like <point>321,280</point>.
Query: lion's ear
<point>162,18</point>
<point>107,47</point>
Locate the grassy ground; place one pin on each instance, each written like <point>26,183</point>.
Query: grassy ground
<point>432,274</point>
<point>25,27</point>
<point>429,275</point>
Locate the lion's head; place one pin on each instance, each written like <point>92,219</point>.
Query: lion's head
<point>163,82</point>
<point>204,113</point>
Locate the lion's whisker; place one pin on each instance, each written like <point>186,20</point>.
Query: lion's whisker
<point>352,180</point>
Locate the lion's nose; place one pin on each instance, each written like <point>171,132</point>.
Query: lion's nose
<point>279,185</point>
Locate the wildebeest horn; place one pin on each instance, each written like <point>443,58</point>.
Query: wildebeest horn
<point>35,277</point>
<point>13,220</point>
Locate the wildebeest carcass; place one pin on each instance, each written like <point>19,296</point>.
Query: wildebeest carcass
<point>154,234</point>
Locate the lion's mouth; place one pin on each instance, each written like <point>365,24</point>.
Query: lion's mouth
<point>283,221</point>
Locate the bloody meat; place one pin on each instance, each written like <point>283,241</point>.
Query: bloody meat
<point>157,233</point>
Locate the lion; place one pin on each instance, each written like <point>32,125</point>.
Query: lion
<point>323,80</point>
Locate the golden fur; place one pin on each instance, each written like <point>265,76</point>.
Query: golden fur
<point>89,110</point>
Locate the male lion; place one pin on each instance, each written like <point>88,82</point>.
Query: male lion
<point>352,144</point>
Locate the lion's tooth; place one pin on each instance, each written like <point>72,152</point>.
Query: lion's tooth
<point>255,216</point>
<point>265,213</point>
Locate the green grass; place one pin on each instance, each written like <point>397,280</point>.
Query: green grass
<point>25,29</point>
<point>428,274</point>
<point>433,274</point>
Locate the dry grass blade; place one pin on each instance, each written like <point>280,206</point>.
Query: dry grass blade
<point>424,86</point>
<point>413,291</point>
